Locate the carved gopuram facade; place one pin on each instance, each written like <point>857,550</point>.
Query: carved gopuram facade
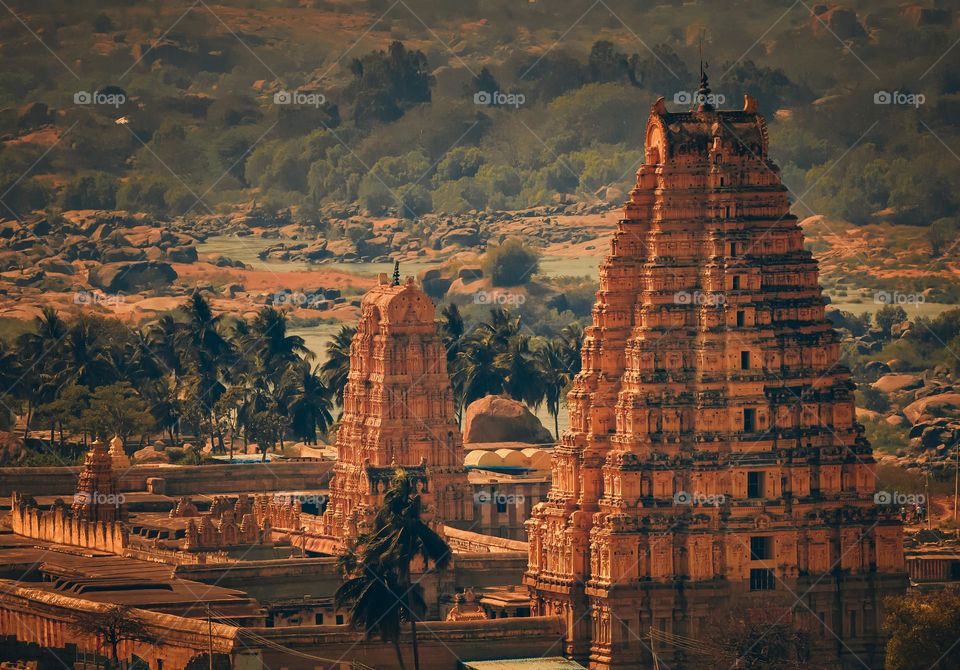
<point>398,411</point>
<point>713,462</point>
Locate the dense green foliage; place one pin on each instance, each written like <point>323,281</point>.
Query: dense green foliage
<point>186,374</point>
<point>923,630</point>
<point>398,127</point>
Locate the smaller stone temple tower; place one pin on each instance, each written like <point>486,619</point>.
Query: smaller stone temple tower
<point>398,412</point>
<point>97,497</point>
<point>117,454</point>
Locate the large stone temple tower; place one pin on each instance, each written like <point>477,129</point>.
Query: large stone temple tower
<point>398,411</point>
<point>713,460</point>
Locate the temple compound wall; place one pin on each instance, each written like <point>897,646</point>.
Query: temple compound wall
<point>60,525</point>
<point>35,617</point>
<point>178,480</point>
<point>398,412</point>
<point>713,462</point>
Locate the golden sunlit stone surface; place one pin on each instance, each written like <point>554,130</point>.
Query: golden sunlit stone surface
<point>713,459</point>
<point>397,412</point>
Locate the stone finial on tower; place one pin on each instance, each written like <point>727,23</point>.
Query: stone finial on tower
<point>704,97</point>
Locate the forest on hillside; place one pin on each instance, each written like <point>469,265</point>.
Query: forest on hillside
<point>180,109</point>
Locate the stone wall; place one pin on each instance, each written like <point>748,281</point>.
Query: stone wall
<point>465,540</point>
<point>35,616</point>
<point>46,619</point>
<point>180,479</point>
<point>60,525</point>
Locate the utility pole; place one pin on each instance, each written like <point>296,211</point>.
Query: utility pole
<point>956,480</point>
<point>926,496</point>
<point>210,636</point>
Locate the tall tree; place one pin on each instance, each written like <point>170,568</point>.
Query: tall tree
<point>554,377</point>
<point>521,375</point>
<point>84,357</point>
<point>208,353</point>
<point>309,402</point>
<point>378,590</point>
<point>476,373</point>
<point>277,350</point>
<point>116,624</point>
<point>452,332</point>
<point>923,630</point>
<point>336,368</point>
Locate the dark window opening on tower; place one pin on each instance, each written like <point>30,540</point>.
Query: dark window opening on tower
<point>736,283</point>
<point>741,318</point>
<point>749,420</point>
<point>755,484</point>
<point>761,579</point>
<point>761,548</point>
<point>744,360</point>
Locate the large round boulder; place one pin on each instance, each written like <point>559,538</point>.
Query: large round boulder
<point>497,418</point>
<point>940,405</point>
<point>150,455</point>
<point>12,448</point>
<point>132,277</point>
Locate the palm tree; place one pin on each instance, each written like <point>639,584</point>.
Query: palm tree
<point>554,377</point>
<point>277,350</point>
<point>138,364</point>
<point>84,358</point>
<point>166,406</point>
<point>162,337</point>
<point>502,327</point>
<point>49,330</point>
<point>336,368</point>
<point>452,331</point>
<point>10,373</point>
<point>38,352</point>
<point>521,375</point>
<point>571,339</point>
<point>309,402</point>
<point>378,589</point>
<point>476,373</point>
<point>208,351</point>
